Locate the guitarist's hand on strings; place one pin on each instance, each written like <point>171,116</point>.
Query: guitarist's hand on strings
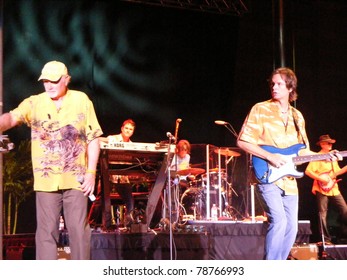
<point>276,160</point>
<point>335,155</point>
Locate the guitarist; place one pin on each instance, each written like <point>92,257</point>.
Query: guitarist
<point>276,123</point>
<point>325,186</point>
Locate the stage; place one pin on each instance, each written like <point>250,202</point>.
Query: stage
<point>219,240</point>
<point>197,240</point>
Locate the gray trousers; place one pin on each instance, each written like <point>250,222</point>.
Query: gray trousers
<point>339,203</point>
<point>48,210</point>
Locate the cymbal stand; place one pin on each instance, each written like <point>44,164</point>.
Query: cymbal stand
<point>208,185</point>
<point>231,129</point>
<point>219,185</point>
<point>229,187</point>
<point>252,204</point>
<point>252,186</point>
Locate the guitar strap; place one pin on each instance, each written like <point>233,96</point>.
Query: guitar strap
<point>297,128</point>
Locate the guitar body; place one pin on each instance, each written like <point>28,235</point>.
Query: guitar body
<point>327,187</point>
<point>266,173</point>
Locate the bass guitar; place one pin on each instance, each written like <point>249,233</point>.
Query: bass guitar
<point>328,186</point>
<point>266,173</point>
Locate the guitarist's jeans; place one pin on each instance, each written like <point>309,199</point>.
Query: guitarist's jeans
<point>282,215</point>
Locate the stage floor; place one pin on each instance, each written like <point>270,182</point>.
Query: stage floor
<point>197,240</point>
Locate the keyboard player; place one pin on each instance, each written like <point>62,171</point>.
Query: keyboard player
<point>121,182</point>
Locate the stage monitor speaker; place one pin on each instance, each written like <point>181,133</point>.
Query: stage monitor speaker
<point>304,252</point>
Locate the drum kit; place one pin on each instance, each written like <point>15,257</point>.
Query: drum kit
<point>201,190</point>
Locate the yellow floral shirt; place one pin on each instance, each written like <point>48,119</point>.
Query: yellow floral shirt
<point>59,138</point>
<point>264,126</point>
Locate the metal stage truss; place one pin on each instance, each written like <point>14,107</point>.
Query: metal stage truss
<point>225,7</point>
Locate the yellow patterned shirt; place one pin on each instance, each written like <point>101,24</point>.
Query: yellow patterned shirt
<point>59,138</point>
<point>264,126</point>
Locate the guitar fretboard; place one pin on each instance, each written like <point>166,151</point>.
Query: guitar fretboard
<point>304,159</point>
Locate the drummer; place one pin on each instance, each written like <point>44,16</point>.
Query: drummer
<point>181,160</point>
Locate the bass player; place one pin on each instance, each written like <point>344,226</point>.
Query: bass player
<point>325,186</point>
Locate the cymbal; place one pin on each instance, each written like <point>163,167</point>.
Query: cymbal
<point>190,171</point>
<point>217,170</point>
<point>227,152</point>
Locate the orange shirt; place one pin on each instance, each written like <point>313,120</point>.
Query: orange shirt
<point>324,167</point>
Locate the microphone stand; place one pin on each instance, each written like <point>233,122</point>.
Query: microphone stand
<point>323,254</point>
<point>5,146</point>
<point>229,127</point>
<point>169,196</point>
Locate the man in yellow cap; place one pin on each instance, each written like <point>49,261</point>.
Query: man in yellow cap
<point>65,150</point>
<point>325,186</point>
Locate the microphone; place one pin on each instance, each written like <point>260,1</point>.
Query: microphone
<point>171,137</point>
<point>220,122</point>
<point>5,144</point>
<point>227,126</point>
<point>176,129</point>
<point>80,179</point>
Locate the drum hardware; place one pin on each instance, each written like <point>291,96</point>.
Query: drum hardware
<point>231,189</point>
<point>222,178</point>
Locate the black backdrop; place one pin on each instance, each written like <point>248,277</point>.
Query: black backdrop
<point>156,64</point>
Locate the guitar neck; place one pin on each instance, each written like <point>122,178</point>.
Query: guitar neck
<point>304,159</point>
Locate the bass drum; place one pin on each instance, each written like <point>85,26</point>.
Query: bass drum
<point>193,201</point>
<point>215,192</point>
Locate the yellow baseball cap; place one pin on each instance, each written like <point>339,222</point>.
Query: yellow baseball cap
<point>53,71</point>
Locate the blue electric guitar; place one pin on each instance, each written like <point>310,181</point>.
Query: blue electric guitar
<point>266,173</point>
